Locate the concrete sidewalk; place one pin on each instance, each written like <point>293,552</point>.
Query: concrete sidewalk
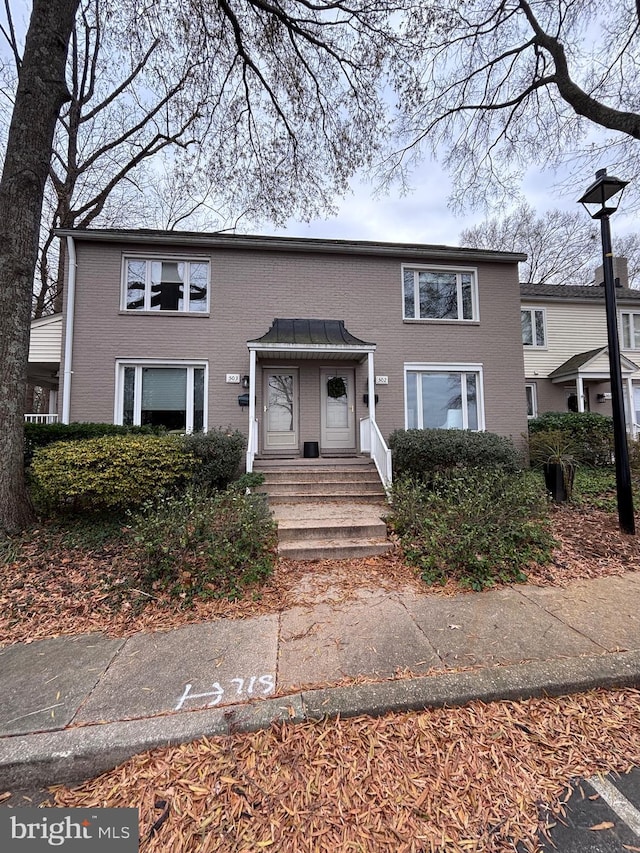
<point>73,707</point>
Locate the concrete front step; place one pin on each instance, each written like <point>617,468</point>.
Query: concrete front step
<point>314,497</point>
<point>338,549</point>
<point>322,475</point>
<point>323,489</point>
<point>290,530</point>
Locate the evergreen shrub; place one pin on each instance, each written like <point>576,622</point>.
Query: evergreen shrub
<point>590,434</point>
<point>477,526</point>
<point>424,453</point>
<point>108,473</point>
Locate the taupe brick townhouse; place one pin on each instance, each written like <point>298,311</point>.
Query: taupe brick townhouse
<point>303,344</point>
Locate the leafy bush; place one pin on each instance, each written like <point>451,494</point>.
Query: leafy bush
<point>219,453</point>
<point>39,435</point>
<point>475,526</point>
<point>110,473</point>
<point>426,452</point>
<point>198,545</point>
<point>591,435</point>
<point>596,488</point>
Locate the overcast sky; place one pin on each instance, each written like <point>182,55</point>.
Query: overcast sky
<point>423,216</point>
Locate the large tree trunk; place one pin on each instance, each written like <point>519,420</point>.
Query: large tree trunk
<point>41,92</point>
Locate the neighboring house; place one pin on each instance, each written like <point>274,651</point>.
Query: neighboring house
<point>566,358</point>
<point>45,347</point>
<point>287,338</point>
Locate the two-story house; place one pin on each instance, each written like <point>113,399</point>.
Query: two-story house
<point>564,336</point>
<point>294,341</point>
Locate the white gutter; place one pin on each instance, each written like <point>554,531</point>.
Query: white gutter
<point>68,331</point>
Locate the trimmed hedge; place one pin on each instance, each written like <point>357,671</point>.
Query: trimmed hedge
<point>424,453</point>
<point>219,455</point>
<point>109,473</point>
<point>40,435</point>
<point>589,434</point>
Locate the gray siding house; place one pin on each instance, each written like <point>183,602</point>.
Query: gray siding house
<point>294,341</point>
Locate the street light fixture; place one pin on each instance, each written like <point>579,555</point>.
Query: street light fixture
<point>600,201</point>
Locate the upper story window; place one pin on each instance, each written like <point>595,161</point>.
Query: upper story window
<point>533,327</point>
<point>630,330</point>
<point>152,284</point>
<point>439,294</point>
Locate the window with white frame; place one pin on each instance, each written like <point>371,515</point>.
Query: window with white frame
<point>533,327</point>
<point>154,393</point>
<point>532,399</point>
<point>444,396</point>
<point>158,284</point>
<point>630,322</point>
<point>439,294</point>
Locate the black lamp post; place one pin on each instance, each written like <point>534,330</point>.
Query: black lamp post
<point>600,201</point>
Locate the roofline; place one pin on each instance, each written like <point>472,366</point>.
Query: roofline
<point>288,244</point>
<point>583,300</point>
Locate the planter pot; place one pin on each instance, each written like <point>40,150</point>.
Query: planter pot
<point>558,479</point>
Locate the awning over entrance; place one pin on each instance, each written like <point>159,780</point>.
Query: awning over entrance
<point>593,364</point>
<point>309,339</point>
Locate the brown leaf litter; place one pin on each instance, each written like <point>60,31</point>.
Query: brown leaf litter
<point>446,780</point>
<point>50,590</point>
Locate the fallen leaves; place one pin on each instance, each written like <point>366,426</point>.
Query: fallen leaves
<point>48,590</point>
<point>459,780</point>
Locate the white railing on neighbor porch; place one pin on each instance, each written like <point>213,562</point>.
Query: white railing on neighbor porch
<point>41,419</point>
<point>372,442</point>
<point>252,444</point>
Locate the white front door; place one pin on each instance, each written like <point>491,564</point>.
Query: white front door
<point>281,409</point>
<point>337,409</point>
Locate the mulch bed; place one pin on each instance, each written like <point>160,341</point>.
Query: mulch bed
<point>49,590</point>
<point>447,780</point>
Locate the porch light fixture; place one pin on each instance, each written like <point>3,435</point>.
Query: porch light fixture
<point>600,201</point>
<point>245,381</point>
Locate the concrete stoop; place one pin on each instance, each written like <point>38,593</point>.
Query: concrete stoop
<point>327,509</point>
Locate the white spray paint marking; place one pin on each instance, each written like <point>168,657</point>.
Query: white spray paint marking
<point>619,803</point>
<point>256,685</point>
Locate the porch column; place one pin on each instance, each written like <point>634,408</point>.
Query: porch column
<point>632,412</point>
<point>252,441</point>
<point>371,383</point>
<point>580,393</point>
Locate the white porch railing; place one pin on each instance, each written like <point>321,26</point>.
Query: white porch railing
<point>41,419</point>
<point>372,442</point>
<point>252,444</point>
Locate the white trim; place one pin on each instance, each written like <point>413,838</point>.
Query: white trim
<point>530,309</point>
<point>455,270</point>
<point>150,258</point>
<point>534,399</point>
<point>68,331</point>
<point>347,349</point>
<point>138,363</point>
<point>443,367</point>
<point>632,323</point>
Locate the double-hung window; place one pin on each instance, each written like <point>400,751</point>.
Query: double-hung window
<point>444,396</point>
<point>439,294</point>
<point>157,393</point>
<point>156,284</point>
<point>533,327</point>
<point>630,330</point>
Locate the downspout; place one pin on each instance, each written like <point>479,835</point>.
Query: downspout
<point>68,331</point>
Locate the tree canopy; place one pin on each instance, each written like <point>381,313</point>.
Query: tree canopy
<point>500,85</point>
<point>562,247</point>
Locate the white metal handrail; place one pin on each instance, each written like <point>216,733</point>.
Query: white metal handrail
<point>372,442</point>
<point>41,419</point>
<point>252,444</point>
